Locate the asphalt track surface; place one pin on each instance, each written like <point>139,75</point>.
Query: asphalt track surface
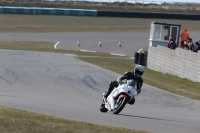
<point>60,85</point>
<point>130,42</point>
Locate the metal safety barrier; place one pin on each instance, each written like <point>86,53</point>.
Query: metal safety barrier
<point>47,11</point>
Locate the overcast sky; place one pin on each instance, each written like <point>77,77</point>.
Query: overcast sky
<point>150,1</point>
<point>188,1</point>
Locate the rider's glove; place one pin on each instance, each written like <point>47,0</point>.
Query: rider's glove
<point>119,80</point>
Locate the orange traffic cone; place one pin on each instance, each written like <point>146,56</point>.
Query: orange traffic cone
<point>100,44</point>
<point>119,45</point>
<point>78,43</point>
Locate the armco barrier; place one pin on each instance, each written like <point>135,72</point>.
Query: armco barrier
<point>47,11</point>
<point>148,15</point>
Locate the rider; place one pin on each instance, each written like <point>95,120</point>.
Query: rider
<point>136,76</point>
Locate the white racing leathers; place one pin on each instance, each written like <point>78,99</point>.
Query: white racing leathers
<point>127,89</point>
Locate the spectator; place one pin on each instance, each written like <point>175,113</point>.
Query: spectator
<point>184,36</point>
<point>171,43</point>
<point>197,46</point>
<point>190,45</point>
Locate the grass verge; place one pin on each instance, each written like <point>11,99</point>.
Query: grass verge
<point>166,82</point>
<point>16,121</point>
<point>119,65</point>
<point>63,24</point>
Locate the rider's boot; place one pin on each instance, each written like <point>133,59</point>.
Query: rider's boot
<point>111,87</point>
<point>106,94</point>
<point>132,101</point>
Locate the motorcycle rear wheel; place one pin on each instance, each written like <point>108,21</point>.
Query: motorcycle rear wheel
<point>118,108</point>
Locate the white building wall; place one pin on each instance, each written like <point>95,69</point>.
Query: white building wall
<point>179,62</point>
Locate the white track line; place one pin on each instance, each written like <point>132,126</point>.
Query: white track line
<point>139,50</point>
<point>117,54</point>
<point>96,51</point>
<point>56,44</point>
<point>87,51</point>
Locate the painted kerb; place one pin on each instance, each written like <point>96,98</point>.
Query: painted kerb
<point>179,62</point>
<point>47,11</point>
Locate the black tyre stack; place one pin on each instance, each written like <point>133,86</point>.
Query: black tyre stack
<point>136,59</point>
<point>141,59</point>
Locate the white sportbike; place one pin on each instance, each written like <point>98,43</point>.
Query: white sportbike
<point>119,97</point>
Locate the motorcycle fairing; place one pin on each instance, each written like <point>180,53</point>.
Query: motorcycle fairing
<point>127,90</point>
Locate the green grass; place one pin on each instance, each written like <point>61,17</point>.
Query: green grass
<point>166,82</point>
<point>16,121</point>
<point>66,24</point>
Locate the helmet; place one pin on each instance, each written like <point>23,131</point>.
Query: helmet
<point>139,70</point>
<point>171,38</point>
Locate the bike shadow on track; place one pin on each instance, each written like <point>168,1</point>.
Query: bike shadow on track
<point>145,117</point>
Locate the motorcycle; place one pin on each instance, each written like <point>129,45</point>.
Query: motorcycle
<point>119,97</point>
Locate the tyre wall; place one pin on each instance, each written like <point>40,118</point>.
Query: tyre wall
<point>148,15</point>
<point>47,11</point>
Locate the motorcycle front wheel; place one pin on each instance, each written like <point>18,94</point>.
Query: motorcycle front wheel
<point>120,105</point>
